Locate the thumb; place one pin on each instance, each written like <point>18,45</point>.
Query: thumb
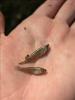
<point>2,24</point>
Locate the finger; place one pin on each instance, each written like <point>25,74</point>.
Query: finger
<point>58,33</point>
<point>72,32</point>
<point>70,40</point>
<point>2,24</point>
<point>49,8</point>
<point>73,26</point>
<point>67,12</point>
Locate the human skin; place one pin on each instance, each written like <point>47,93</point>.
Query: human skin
<point>44,26</point>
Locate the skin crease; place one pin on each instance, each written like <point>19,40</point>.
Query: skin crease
<point>59,82</point>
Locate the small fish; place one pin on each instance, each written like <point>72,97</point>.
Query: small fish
<point>36,54</point>
<point>33,70</point>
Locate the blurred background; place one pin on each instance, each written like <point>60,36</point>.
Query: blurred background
<point>17,10</point>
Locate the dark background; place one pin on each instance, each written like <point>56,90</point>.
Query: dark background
<point>17,10</point>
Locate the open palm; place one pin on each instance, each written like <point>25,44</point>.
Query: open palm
<point>43,27</point>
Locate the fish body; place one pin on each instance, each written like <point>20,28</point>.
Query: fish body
<point>36,54</point>
<point>33,70</point>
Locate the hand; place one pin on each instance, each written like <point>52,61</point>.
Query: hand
<point>46,25</point>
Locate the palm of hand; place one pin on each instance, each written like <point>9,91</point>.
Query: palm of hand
<point>59,63</point>
<point>18,44</point>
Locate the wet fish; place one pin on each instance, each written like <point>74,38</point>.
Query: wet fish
<point>33,70</point>
<point>36,54</point>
